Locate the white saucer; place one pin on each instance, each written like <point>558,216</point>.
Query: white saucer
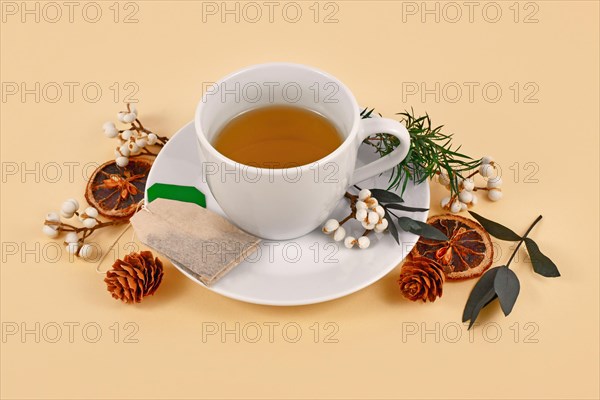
<point>307,270</point>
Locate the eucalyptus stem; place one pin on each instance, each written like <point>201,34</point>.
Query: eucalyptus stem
<point>522,240</point>
<point>388,210</point>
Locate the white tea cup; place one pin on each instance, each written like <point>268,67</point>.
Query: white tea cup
<point>286,203</point>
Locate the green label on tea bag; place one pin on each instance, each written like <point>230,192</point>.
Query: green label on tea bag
<point>188,194</point>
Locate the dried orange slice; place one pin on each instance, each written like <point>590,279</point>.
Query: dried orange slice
<point>116,191</point>
<point>467,253</point>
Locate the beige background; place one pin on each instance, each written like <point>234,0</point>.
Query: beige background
<point>167,54</point>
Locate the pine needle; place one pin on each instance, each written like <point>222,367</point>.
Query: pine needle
<point>430,153</point>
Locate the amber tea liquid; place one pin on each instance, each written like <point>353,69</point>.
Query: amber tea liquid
<point>277,137</point>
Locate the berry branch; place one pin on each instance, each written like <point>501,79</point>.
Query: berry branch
<point>375,214</point>
<point>75,244</point>
<point>134,139</point>
<point>465,197</point>
<point>364,208</point>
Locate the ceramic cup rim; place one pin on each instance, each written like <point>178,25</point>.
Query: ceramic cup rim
<point>278,171</point>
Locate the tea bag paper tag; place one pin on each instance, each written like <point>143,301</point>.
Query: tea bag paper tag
<point>204,243</point>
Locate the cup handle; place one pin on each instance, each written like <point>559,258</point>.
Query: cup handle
<point>370,126</point>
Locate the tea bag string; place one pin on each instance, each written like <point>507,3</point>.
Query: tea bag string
<point>141,205</point>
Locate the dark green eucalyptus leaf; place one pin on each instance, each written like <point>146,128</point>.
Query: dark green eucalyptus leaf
<point>507,287</point>
<point>408,224</point>
<point>541,263</point>
<point>392,227</point>
<point>385,196</point>
<point>495,229</point>
<point>482,294</point>
<point>395,206</point>
<point>421,228</point>
<point>483,303</point>
<point>490,300</point>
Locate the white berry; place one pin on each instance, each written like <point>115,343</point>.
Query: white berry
<point>474,200</point>
<point>66,214</point>
<point>72,248</point>
<point>124,151</point>
<point>349,242</point>
<point>111,133</point>
<point>372,202</point>
<point>75,202</point>
<point>455,207</point>
<point>53,217</point>
<point>445,201</point>
<point>90,222</point>
<point>133,109</point>
<point>339,234</point>
<point>494,195</point>
<point>364,194</point>
<point>68,208</point>
<point>129,117</point>
<point>362,214</point>
<point>381,226</point>
<point>110,130</point>
<point>133,148</point>
<point>361,205</point>
<point>50,231</point>
<point>108,125</point>
<point>152,138</point>
<point>141,142</point>
<point>330,226</point>
<point>368,226</point>
<point>363,242</point>
<point>494,183</point>
<point>486,170</point>
<point>468,184</point>
<point>380,211</point>
<point>71,237</point>
<point>122,161</point>
<point>126,134</point>
<point>465,196</point>
<point>121,116</point>
<point>91,212</point>
<point>86,251</point>
<point>463,206</point>
<point>373,217</point>
<point>444,179</point>
<point>487,159</point>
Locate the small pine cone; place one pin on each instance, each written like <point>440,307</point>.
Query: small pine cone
<point>134,277</point>
<point>421,279</point>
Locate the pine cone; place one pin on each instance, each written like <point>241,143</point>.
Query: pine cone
<point>421,279</point>
<point>138,275</point>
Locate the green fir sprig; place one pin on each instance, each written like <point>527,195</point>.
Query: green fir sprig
<point>431,152</point>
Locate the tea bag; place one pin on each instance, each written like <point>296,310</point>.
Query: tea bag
<point>204,243</point>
